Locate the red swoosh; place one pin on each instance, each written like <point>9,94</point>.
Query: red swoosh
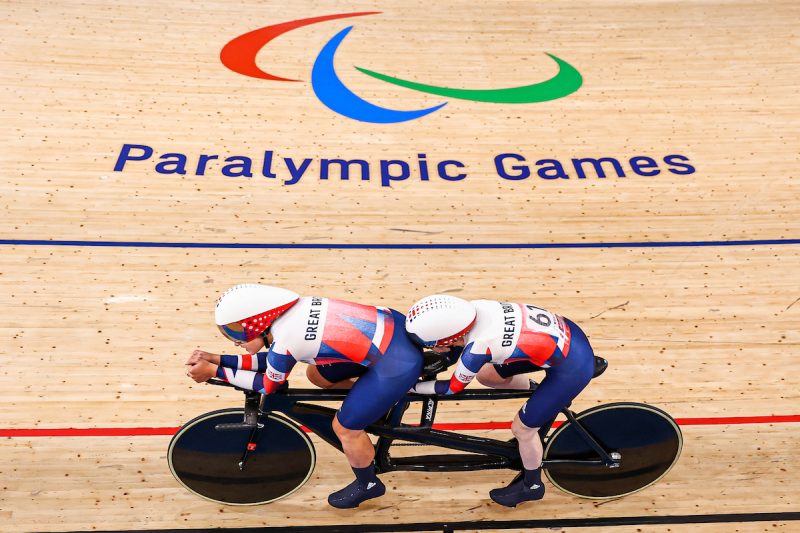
<point>239,55</point>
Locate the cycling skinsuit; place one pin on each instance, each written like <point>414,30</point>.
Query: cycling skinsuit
<point>322,331</point>
<point>527,338</point>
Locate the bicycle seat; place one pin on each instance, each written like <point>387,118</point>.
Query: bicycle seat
<point>600,366</point>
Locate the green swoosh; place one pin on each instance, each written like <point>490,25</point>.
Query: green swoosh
<point>567,81</point>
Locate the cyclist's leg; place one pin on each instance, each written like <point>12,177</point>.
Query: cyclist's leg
<point>559,387</point>
<point>372,395</point>
<point>349,424</point>
<point>384,383</point>
<point>561,383</point>
<point>334,375</point>
<point>508,376</point>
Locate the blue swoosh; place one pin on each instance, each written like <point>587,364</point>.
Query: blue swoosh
<point>336,96</point>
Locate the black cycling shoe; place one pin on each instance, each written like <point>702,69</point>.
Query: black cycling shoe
<point>517,493</point>
<point>353,494</point>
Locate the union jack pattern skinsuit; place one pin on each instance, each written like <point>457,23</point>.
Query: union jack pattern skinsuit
<point>528,337</point>
<point>506,333</point>
<point>317,331</point>
<point>322,331</point>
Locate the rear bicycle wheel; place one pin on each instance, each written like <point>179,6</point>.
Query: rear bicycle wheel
<point>647,438</point>
<point>206,461</point>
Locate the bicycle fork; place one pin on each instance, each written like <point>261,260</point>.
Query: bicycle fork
<point>608,459</point>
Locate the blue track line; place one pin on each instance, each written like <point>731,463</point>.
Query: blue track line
<point>399,246</point>
<point>516,525</point>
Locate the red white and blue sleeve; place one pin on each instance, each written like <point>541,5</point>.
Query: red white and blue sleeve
<point>272,371</point>
<point>468,366</point>
<point>256,362</point>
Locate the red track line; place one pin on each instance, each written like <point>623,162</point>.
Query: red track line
<point>773,419</point>
<point>87,432</point>
<point>456,426</point>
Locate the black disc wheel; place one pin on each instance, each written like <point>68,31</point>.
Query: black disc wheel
<point>647,439</point>
<point>206,460</point>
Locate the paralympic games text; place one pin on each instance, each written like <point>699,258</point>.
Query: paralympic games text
<point>289,171</point>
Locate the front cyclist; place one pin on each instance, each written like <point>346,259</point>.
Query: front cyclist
<point>318,331</point>
<point>516,338</point>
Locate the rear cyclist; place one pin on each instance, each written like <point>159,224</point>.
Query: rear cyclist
<point>366,341</point>
<point>515,338</point>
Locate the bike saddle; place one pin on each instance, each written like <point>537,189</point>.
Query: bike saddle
<point>600,366</point>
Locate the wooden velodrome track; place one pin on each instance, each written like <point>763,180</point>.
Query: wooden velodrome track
<point>686,282</point>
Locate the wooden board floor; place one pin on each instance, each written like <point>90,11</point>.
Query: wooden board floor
<point>96,330</point>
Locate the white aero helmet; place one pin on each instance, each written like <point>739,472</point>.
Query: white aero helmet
<point>245,311</point>
<point>440,320</point>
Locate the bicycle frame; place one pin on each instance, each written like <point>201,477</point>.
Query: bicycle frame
<point>481,453</point>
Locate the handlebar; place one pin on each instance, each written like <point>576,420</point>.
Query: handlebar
<point>219,383</point>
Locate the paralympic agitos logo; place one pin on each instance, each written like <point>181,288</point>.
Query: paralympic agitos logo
<point>239,55</point>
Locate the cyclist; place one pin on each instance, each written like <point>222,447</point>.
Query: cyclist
<point>365,340</point>
<point>515,339</point>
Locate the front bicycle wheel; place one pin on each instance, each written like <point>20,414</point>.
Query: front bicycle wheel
<point>206,461</point>
<point>648,440</point>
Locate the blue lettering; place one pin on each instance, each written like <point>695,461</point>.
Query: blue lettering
<point>509,166</point>
<point>423,167</point>
<point>553,169</point>
<point>344,168</point>
<point>176,161</point>
<point>266,168</point>
<point>523,170</point>
<point>240,166</point>
<point>125,155</point>
<point>442,168</point>
<point>687,169</point>
<point>296,172</point>
<point>598,166</point>
<point>201,163</point>
<point>646,162</point>
<point>387,177</point>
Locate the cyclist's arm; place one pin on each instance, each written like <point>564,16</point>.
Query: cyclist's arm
<point>278,367</point>
<point>256,362</point>
<point>468,366</point>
